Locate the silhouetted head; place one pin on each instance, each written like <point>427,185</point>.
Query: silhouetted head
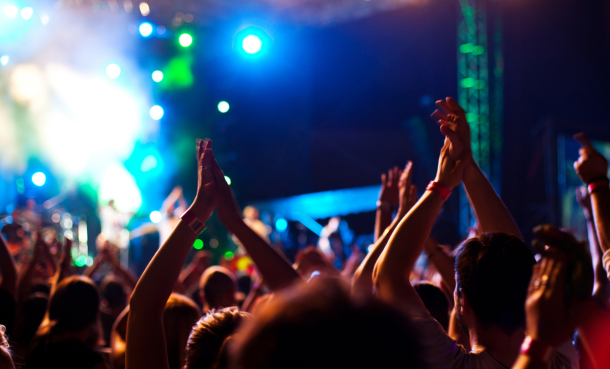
<point>217,288</point>
<point>435,301</point>
<point>179,315</point>
<point>493,271</point>
<point>29,318</point>
<point>75,305</point>
<point>113,292</point>
<point>210,338</point>
<point>319,325</point>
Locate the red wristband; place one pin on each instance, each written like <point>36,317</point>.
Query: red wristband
<point>536,349</point>
<point>600,183</point>
<point>439,189</point>
<point>193,222</point>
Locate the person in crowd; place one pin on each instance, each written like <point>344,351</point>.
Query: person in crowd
<point>492,270</point>
<point>70,333</point>
<point>191,275</point>
<point>145,346</point>
<point>435,301</point>
<point>6,361</point>
<point>8,288</point>
<point>171,210</point>
<point>217,288</point>
<point>319,325</point>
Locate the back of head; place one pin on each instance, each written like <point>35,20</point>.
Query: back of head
<point>435,301</point>
<point>179,315</point>
<point>114,293</point>
<point>218,286</point>
<point>30,316</point>
<point>493,271</point>
<point>319,325</point>
<point>74,305</point>
<point>207,344</point>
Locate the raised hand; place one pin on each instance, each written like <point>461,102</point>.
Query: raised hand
<point>389,187</point>
<point>452,120</point>
<point>407,192</point>
<point>227,207</point>
<point>205,200</point>
<point>584,200</point>
<point>450,170</point>
<point>591,165</point>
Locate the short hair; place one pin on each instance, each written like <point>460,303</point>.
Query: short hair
<point>493,270</point>
<point>113,292</point>
<point>319,325</point>
<point>435,301</point>
<point>215,282</point>
<point>207,344</point>
<point>74,304</point>
<point>179,315</point>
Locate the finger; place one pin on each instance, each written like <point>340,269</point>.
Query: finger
<point>452,136</point>
<point>443,122</point>
<point>455,106</point>
<point>390,177</point>
<point>396,176</point>
<point>439,115</point>
<point>535,276</point>
<point>442,104</point>
<point>383,180</point>
<point>407,173</point>
<point>412,196</point>
<point>583,140</point>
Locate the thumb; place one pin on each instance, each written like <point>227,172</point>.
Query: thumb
<point>452,136</point>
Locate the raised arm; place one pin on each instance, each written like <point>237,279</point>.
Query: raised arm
<point>27,274</point>
<point>592,168</point>
<point>7,267</point>
<point>362,282</point>
<point>146,346</point>
<point>492,214</point>
<point>388,200</point>
<point>275,269</point>
<point>407,242</point>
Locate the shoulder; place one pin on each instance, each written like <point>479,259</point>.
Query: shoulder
<point>565,357</point>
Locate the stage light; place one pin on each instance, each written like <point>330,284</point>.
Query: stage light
<point>39,179</point>
<point>144,9</point>
<point>198,245</point>
<point>228,180</point>
<point>185,40</point>
<point>157,76</point>
<point>156,112</point>
<point>4,60</point>
<point>26,13</point>
<point>149,163</point>
<point>146,29</point>
<point>229,256</point>
<point>223,106</point>
<point>113,71</point>
<point>119,185</point>
<point>155,216</point>
<point>281,224</point>
<point>252,44</point>
<point>45,19</point>
<point>11,11</point>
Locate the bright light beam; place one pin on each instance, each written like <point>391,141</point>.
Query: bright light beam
<point>252,44</point>
<point>156,112</point>
<point>39,179</point>
<point>146,29</point>
<point>113,71</point>
<point>26,13</point>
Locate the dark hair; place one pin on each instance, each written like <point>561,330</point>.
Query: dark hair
<point>207,344</point>
<point>215,283</point>
<point>435,301</point>
<point>74,304</point>
<point>113,292</point>
<point>179,315</point>
<point>319,325</point>
<point>244,283</point>
<point>29,318</point>
<point>493,271</point>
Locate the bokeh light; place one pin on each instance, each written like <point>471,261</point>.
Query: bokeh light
<point>223,106</point>
<point>252,44</point>
<point>113,71</point>
<point>146,29</point>
<point>228,180</point>
<point>27,12</point>
<point>229,256</point>
<point>281,224</point>
<point>11,11</point>
<point>4,60</point>
<point>144,9</point>
<point>119,185</point>
<point>156,112</point>
<point>155,216</point>
<point>39,179</point>
<point>198,245</point>
<point>157,76</point>
<point>185,40</point>
<point>149,163</point>
<point>44,19</point>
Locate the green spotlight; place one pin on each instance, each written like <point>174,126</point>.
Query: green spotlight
<point>185,40</point>
<point>198,245</point>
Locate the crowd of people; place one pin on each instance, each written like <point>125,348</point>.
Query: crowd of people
<point>493,302</point>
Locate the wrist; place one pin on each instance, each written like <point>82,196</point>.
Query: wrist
<point>384,205</point>
<point>536,349</point>
<point>598,184</point>
<point>439,188</point>
<point>193,221</point>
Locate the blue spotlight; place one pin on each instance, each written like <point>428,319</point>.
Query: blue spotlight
<point>252,44</point>
<point>281,224</point>
<point>146,29</point>
<point>39,179</point>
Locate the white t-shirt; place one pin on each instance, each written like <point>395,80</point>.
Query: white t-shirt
<point>442,352</point>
